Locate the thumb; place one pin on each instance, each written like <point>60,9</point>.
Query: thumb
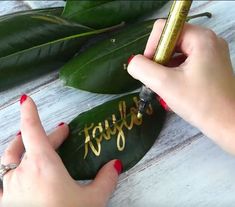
<point>106,179</point>
<point>159,78</point>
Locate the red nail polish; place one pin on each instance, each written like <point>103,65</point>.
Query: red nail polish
<point>61,124</point>
<point>163,104</point>
<point>23,98</point>
<point>130,58</point>
<point>118,166</point>
<point>18,134</point>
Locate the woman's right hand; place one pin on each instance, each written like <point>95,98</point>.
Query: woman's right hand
<point>198,85</point>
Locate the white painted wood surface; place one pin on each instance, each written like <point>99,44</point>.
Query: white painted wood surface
<point>183,168</point>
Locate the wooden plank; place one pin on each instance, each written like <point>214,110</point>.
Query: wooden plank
<point>200,174</point>
<point>44,4</point>
<point>7,7</point>
<point>181,169</point>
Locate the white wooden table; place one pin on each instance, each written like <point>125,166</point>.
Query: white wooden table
<point>183,168</point>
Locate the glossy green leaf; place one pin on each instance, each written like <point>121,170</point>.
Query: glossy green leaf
<point>99,14</point>
<point>110,131</point>
<point>34,44</point>
<point>102,67</point>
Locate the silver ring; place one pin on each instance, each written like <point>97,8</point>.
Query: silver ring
<point>6,168</point>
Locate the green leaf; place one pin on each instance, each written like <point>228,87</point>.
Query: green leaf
<point>110,131</point>
<point>102,67</point>
<point>99,14</point>
<point>34,44</point>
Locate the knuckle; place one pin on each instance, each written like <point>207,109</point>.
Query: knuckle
<point>137,57</point>
<point>111,178</point>
<point>223,42</point>
<point>210,34</point>
<point>207,40</point>
<point>163,79</point>
<point>54,142</point>
<point>132,66</point>
<point>159,84</point>
<point>100,199</point>
<point>35,167</point>
<point>210,38</point>
<point>8,153</point>
<point>36,163</point>
<point>30,121</point>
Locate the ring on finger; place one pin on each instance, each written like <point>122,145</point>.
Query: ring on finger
<point>4,169</point>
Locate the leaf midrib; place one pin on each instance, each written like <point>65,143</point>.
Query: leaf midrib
<point>51,43</point>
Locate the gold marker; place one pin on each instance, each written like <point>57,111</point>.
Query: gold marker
<point>169,37</point>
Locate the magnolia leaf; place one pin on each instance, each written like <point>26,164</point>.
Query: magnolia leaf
<point>102,68</point>
<point>32,44</point>
<point>99,14</point>
<point>110,131</point>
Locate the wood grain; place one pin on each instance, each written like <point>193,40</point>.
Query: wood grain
<point>199,174</point>
<point>183,168</point>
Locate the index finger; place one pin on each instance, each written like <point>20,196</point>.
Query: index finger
<point>33,135</point>
<point>154,38</point>
<point>191,37</point>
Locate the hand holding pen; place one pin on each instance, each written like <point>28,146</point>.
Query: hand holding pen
<point>198,84</point>
<point>166,46</point>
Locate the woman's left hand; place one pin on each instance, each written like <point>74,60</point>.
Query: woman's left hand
<point>41,180</point>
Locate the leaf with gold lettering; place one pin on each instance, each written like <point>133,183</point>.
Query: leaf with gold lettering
<point>110,131</point>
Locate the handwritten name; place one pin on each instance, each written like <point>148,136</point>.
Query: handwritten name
<point>95,134</point>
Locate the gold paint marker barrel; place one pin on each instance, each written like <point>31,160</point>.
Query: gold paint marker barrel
<point>169,37</point>
<point>172,30</point>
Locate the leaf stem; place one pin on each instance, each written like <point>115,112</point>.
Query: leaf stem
<point>204,14</point>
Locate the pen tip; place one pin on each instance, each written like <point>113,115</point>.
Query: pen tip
<point>139,115</point>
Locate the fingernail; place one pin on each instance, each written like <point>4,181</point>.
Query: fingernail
<point>118,166</point>
<point>163,104</point>
<point>130,58</point>
<point>18,134</point>
<point>61,124</point>
<point>23,98</point>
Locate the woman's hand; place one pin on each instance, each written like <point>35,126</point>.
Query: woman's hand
<point>41,179</point>
<point>198,84</point>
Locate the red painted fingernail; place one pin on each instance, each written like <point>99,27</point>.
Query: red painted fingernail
<point>23,98</point>
<point>61,124</point>
<point>118,166</point>
<point>163,104</point>
<point>18,134</point>
<point>130,58</point>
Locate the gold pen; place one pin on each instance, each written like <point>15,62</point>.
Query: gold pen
<point>169,37</point>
